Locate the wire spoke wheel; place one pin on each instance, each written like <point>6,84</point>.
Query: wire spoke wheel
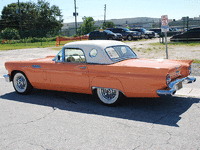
<point>108,96</point>
<point>21,83</point>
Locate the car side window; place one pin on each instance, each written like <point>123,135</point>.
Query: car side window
<point>114,30</point>
<point>74,56</point>
<point>120,30</point>
<point>59,57</point>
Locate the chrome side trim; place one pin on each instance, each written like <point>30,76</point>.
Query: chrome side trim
<point>7,78</point>
<point>172,86</point>
<point>190,79</point>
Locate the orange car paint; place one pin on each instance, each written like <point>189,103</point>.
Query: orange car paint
<point>134,77</point>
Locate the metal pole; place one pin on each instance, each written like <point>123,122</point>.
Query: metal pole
<point>75,16</point>
<point>104,13</point>
<point>166,45</point>
<point>20,20</point>
<point>187,26</point>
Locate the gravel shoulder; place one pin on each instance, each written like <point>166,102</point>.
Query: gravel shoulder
<point>145,49</point>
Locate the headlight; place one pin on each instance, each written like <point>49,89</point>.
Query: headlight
<point>190,70</point>
<point>168,79</point>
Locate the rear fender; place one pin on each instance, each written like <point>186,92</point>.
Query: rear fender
<point>185,62</point>
<point>107,82</point>
<point>185,66</point>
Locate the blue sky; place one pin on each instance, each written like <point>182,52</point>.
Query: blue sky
<point>175,9</point>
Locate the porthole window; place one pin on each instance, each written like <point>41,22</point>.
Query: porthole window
<point>93,53</point>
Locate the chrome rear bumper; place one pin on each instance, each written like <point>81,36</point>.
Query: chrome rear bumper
<point>7,78</point>
<point>174,86</point>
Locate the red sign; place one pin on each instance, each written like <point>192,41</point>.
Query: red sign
<point>164,23</point>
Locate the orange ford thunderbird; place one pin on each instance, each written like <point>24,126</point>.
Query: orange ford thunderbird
<point>110,69</point>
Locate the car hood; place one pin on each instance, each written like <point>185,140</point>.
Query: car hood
<point>118,34</point>
<point>178,35</point>
<point>132,31</point>
<point>149,63</point>
<point>47,59</point>
<point>149,32</point>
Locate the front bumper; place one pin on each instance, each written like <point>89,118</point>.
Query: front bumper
<point>118,38</point>
<point>174,86</point>
<point>7,78</point>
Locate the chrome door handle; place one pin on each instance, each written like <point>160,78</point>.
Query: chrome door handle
<point>82,67</point>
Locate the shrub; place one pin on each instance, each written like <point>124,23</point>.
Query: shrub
<point>10,34</point>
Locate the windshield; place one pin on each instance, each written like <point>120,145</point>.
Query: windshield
<point>119,53</point>
<point>144,29</point>
<point>108,31</point>
<point>125,29</point>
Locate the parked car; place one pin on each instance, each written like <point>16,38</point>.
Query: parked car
<point>108,68</point>
<point>126,33</point>
<point>171,31</point>
<point>156,30</point>
<point>145,33</point>
<point>190,35</point>
<point>104,35</point>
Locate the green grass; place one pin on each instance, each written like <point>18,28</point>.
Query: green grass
<point>57,48</point>
<point>27,45</point>
<point>177,43</point>
<point>196,61</point>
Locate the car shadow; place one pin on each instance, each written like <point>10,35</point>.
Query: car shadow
<point>164,111</point>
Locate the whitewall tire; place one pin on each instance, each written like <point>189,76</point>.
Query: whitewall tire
<point>21,83</point>
<point>108,96</point>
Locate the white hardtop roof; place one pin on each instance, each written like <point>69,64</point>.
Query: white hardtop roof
<point>99,43</point>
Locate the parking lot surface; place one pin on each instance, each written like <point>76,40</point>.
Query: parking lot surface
<point>49,120</point>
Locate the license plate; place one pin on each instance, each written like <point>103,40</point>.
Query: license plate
<point>179,86</point>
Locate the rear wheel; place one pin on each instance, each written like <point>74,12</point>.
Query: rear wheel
<point>130,38</point>
<point>146,36</point>
<point>21,83</point>
<point>108,96</point>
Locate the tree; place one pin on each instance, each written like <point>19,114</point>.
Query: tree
<point>38,16</point>
<point>10,34</point>
<point>87,26</point>
<point>108,24</point>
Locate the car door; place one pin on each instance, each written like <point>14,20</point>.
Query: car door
<point>71,74</point>
<point>121,31</point>
<point>194,33</point>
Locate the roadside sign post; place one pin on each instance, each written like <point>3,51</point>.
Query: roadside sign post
<point>165,28</point>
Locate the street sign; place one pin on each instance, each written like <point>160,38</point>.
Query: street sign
<point>164,23</point>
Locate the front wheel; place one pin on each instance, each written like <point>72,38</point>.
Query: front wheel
<point>21,83</point>
<point>108,96</point>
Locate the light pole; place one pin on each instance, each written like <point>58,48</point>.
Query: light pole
<point>75,14</point>
<point>20,20</point>
<point>104,13</point>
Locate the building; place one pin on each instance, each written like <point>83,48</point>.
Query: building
<point>144,22</point>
